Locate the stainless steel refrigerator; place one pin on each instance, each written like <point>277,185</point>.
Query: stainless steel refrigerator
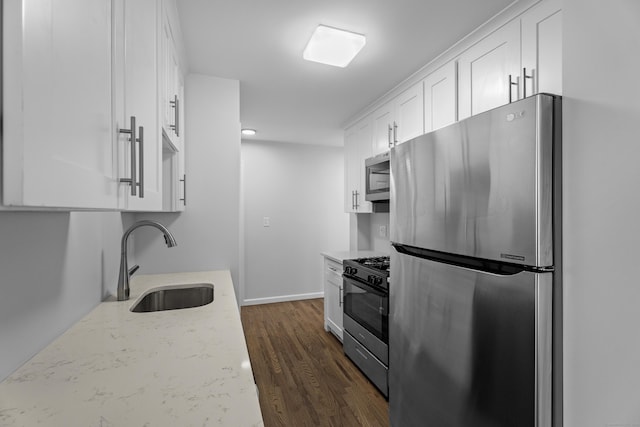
<point>475,293</point>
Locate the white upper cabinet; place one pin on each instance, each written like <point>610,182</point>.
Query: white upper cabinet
<point>81,105</point>
<point>489,71</point>
<point>409,114</point>
<point>136,97</point>
<point>440,98</point>
<point>383,128</point>
<point>181,193</point>
<point>542,49</point>
<point>171,99</point>
<point>171,78</point>
<point>357,148</point>
<point>57,121</point>
<point>398,120</point>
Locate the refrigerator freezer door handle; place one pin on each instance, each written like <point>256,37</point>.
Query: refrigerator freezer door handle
<point>486,266</point>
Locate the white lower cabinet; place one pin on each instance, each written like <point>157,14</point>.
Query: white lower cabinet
<point>58,136</point>
<point>333,297</point>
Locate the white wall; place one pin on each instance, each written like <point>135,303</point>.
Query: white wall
<point>208,231</point>
<point>601,213</point>
<point>300,189</point>
<point>379,243</point>
<point>365,232</point>
<point>54,268</point>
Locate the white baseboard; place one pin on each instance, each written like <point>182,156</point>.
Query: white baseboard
<point>283,298</point>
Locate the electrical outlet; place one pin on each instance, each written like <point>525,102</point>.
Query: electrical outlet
<point>266,222</point>
<point>382,231</point>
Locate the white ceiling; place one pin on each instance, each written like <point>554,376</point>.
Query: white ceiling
<point>288,99</point>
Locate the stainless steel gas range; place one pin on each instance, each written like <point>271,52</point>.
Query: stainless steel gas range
<point>366,314</point>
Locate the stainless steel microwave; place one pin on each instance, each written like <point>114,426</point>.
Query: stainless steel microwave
<point>377,177</point>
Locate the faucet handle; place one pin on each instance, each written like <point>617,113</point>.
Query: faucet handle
<point>133,269</point>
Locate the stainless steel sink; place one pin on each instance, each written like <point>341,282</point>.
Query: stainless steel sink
<point>175,298</point>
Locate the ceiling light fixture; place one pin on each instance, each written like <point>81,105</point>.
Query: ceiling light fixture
<point>333,46</point>
<point>249,132</point>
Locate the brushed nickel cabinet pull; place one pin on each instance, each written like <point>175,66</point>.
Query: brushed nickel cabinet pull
<point>389,130</point>
<point>184,189</point>
<point>395,133</point>
<point>524,82</point>
<point>512,83</point>
<point>141,160</point>
<point>132,137</point>
<point>175,104</point>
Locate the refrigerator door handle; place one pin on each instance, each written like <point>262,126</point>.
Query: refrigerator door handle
<point>485,266</point>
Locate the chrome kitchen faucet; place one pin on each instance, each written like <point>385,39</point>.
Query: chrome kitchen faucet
<point>125,272</point>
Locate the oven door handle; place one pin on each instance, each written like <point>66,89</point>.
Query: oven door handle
<point>365,286</point>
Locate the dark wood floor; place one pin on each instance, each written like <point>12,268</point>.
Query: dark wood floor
<point>302,374</point>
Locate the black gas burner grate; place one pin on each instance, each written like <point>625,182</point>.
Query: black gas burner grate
<point>379,263</point>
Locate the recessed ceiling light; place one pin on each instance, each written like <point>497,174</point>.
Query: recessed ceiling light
<point>249,132</point>
<point>332,46</point>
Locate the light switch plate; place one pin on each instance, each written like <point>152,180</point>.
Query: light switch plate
<point>266,221</point>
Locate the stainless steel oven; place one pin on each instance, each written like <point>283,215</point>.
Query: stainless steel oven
<point>367,305</point>
<point>366,317</point>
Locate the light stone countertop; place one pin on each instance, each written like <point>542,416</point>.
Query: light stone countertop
<point>186,367</point>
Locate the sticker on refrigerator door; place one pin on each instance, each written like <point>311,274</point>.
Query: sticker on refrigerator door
<point>513,257</point>
<point>517,115</point>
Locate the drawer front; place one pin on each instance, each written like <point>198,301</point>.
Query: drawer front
<point>375,370</point>
<point>333,272</point>
<point>377,347</point>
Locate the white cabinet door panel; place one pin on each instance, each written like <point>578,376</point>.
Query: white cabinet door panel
<point>364,152</point>
<point>409,115</point>
<point>357,147</point>
<point>58,138</point>
<point>141,100</point>
<point>382,129</point>
<point>485,69</point>
<point>542,48</point>
<point>333,311</point>
<point>351,169</point>
<point>440,98</point>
